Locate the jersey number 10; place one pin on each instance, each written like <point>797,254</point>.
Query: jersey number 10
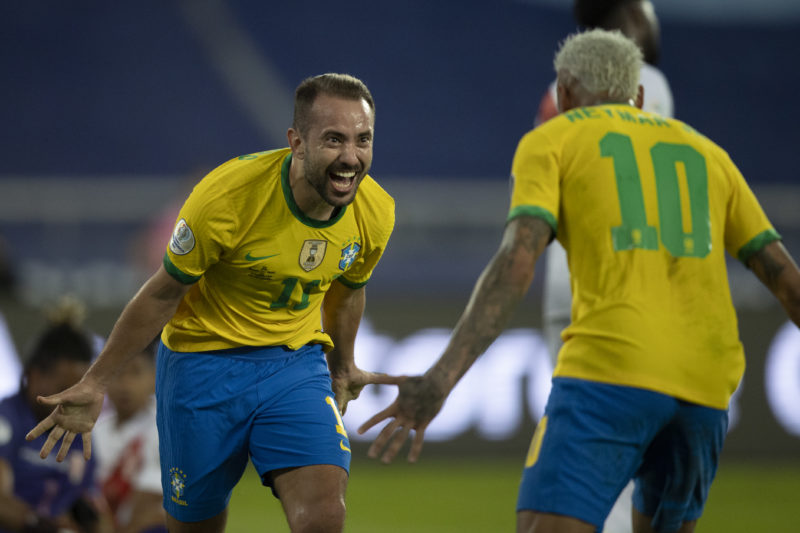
<point>634,232</point>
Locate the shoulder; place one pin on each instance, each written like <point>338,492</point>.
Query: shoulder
<point>371,197</point>
<point>374,207</point>
<point>719,163</point>
<point>545,136</point>
<point>699,140</point>
<point>227,199</point>
<point>237,175</point>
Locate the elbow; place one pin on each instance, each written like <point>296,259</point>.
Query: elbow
<point>789,298</point>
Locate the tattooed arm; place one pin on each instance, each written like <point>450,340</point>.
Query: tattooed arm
<point>494,299</point>
<point>777,270</point>
<point>496,295</point>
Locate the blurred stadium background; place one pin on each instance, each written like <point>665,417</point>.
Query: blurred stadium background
<point>111,111</point>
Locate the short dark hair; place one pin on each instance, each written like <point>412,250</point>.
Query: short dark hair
<point>63,339</point>
<point>596,13</point>
<point>341,85</point>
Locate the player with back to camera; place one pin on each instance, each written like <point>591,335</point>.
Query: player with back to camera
<point>263,280</point>
<point>637,20</point>
<point>646,208</point>
<point>46,496</point>
<point>126,446</point>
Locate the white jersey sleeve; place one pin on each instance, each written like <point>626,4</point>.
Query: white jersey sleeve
<point>128,460</point>
<point>657,92</point>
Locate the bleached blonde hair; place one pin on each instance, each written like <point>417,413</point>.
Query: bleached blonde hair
<point>604,62</point>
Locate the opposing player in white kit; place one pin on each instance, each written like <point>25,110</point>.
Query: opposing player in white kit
<point>126,444</point>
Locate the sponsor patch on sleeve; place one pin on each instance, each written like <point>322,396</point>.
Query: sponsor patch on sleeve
<point>182,241</point>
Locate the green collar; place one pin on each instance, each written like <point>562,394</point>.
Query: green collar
<point>302,217</point>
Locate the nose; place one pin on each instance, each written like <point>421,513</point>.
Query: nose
<point>349,154</point>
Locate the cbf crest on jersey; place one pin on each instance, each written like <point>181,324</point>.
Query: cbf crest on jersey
<point>349,254</point>
<point>182,241</point>
<point>312,254</point>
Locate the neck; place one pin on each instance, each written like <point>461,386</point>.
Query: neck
<point>629,101</point>
<point>306,197</point>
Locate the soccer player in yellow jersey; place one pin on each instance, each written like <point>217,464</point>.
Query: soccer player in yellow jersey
<point>259,297</point>
<point>637,20</point>
<point>646,208</point>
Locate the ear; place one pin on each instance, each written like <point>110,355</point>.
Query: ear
<point>563,98</point>
<point>639,97</point>
<point>296,143</point>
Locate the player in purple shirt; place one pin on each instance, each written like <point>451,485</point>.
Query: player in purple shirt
<point>43,495</point>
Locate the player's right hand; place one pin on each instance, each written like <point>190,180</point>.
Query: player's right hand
<point>418,402</point>
<point>76,411</point>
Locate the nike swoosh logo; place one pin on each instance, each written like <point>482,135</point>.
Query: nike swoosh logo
<point>251,258</point>
<point>342,446</point>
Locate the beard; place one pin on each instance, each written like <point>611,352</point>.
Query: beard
<point>320,180</point>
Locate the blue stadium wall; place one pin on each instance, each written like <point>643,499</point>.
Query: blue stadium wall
<point>133,87</point>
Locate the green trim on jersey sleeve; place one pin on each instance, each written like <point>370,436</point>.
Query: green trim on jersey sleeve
<point>534,211</point>
<point>176,273</point>
<point>350,284</point>
<point>757,243</point>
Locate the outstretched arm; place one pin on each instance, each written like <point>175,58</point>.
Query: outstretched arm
<point>496,295</point>
<point>777,270</point>
<point>77,408</point>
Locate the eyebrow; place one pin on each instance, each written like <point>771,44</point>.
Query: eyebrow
<point>333,131</point>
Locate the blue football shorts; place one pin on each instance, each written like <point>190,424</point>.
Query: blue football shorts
<point>216,409</point>
<point>594,437</point>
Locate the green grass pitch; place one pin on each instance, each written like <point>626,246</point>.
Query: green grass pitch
<point>462,495</point>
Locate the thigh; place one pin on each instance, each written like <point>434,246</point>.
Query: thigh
<point>300,425</point>
<point>587,447</point>
<point>678,467</point>
<point>315,487</point>
<point>203,403</point>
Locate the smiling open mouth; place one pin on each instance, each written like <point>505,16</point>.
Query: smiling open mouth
<point>342,180</point>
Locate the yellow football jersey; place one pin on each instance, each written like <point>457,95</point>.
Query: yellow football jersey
<point>260,265</point>
<point>645,207</point>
